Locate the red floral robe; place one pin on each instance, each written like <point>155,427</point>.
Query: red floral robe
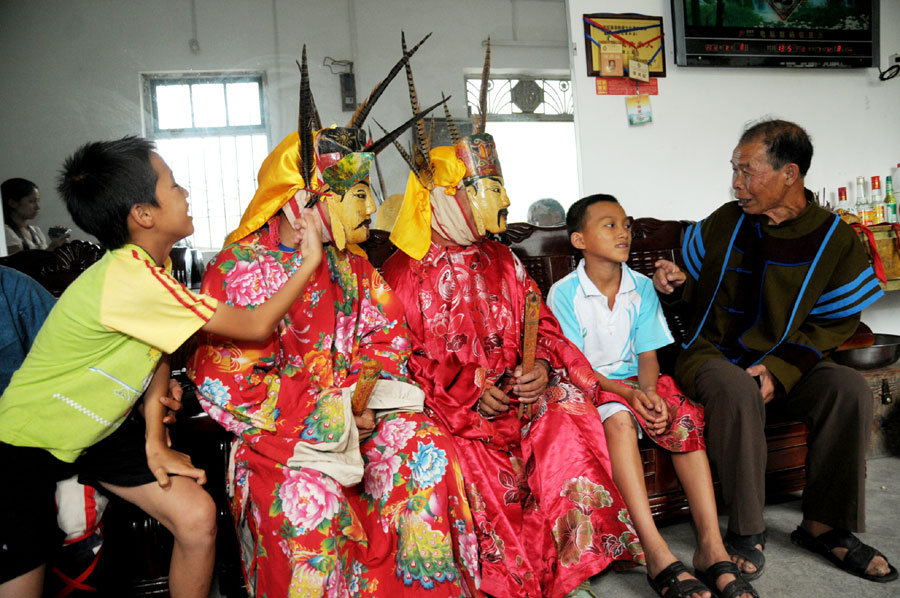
<point>406,529</point>
<point>547,513</point>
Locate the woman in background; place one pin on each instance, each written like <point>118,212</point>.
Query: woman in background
<point>21,203</point>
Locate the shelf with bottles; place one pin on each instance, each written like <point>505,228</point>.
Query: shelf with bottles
<point>886,244</point>
<point>874,209</point>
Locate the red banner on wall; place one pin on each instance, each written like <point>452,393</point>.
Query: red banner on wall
<point>616,86</point>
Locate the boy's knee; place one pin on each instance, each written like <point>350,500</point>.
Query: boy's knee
<point>196,520</point>
<point>620,423</point>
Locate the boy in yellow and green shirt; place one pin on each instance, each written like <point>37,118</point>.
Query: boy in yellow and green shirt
<point>105,343</point>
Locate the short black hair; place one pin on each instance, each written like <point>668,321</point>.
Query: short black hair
<point>578,211</point>
<point>101,182</point>
<point>14,190</point>
<point>785,142</point>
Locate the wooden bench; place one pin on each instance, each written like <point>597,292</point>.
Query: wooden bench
<point>55,270</point>
<point>548,256</point>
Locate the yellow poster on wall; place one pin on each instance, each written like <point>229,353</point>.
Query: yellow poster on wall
<point>641,38</point>
<point>638,109</point>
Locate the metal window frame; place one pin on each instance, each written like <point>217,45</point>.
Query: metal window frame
<point>518,117</point>
<point>150,81</point>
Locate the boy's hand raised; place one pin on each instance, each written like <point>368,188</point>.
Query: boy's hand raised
<point>668,276</point>
<point>257,324</point>
<point>311,244</point>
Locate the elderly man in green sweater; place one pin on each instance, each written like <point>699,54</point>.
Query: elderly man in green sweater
<point>772,283</point>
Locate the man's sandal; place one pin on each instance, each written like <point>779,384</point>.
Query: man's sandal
<point>858,556</point>
<point>667,584</point>
<point>745,548</point>
<point>737,587</point>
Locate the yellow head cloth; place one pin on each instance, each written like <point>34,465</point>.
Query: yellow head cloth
<point>277,182</point>
<point>412,229</point>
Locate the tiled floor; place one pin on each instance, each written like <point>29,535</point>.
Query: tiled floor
<point>791,571</point>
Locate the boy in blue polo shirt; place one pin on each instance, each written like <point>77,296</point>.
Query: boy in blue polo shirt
<point>613,315</point>
<point>104,345</point>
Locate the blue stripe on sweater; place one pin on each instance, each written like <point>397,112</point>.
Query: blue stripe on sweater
<point>693,250</point>
<point>858,307</point>
<point>737,227</point>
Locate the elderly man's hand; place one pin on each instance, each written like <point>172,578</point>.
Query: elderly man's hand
<point>667,277</point>
<point>766,381</point>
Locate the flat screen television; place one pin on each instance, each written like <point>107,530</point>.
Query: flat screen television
<point>776,33</point>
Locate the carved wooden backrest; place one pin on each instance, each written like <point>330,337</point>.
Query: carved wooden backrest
<point>653,240</point>
<point>56,269</point>
<point>545,252</point>
<point>548,256</point>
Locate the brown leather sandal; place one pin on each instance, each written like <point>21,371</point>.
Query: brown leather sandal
<point>858,556</point>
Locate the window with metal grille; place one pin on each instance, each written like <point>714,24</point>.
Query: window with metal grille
<point>211,130</point>
<point>532,120</point>
<point>523,98</point>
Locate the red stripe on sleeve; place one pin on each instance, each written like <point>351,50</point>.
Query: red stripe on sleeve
<point>175,288</point>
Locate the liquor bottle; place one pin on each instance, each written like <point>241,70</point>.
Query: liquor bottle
<point>877,202</point>
<point>890,202</point>
<point>863,209</point>
<point>843,204</point>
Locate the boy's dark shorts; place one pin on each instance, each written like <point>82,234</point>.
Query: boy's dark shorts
<point>119,459</point>
<point>28,531</point>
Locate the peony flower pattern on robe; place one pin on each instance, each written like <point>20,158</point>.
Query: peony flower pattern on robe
<point>407,526</point>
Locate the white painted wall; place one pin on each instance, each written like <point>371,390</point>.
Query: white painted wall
<point>71,73</point>
<point>678,165</point>
<point>71,68</point>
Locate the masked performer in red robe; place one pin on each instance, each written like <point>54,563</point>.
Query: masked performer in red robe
<point>547,513</point>
<point>328,502</point>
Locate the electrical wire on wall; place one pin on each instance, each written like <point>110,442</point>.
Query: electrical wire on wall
<point>194,43</point>
<point>338,67</point>
<point>889,73</point>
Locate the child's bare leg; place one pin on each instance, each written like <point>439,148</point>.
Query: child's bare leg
<point>693,472</point>
<point>628,474</point>
<point>188,511</point>
<point>27,585</point>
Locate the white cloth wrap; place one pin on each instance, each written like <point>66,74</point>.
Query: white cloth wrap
<point>341,459</point>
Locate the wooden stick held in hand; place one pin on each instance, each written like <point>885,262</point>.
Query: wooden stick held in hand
<point>529,341</point>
